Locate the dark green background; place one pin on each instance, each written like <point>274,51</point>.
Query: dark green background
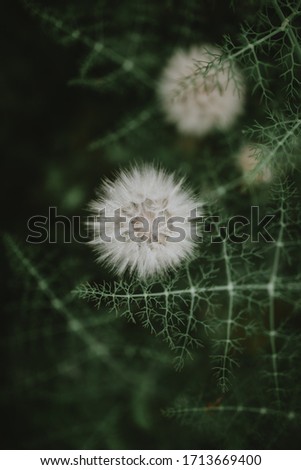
<point>54,395</point>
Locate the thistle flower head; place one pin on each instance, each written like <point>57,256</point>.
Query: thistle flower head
<point>143,235</point>
<point>201,91</point>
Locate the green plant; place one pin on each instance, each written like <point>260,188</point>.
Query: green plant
<point>231,316</point>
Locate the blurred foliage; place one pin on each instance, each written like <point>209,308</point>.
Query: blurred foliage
<point>77,377</point>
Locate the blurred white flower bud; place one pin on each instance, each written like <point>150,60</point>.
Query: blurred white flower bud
<point>249,161</point>
<point>201,91</point>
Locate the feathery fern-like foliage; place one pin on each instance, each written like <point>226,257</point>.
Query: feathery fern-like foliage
<point>229,319</point>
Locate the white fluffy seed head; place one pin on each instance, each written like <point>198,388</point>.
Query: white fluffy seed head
<point>201,91</point>
<point>140,196</point>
